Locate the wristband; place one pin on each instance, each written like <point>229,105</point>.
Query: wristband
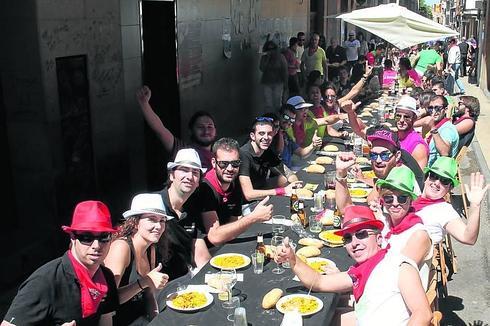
<point>139,284</point>
<point>280,191</point>
<point>434,131</point>
<point>339,178</point>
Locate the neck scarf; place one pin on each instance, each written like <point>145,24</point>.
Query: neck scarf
<point>212,179</point>
<point>92,290</point>
<point>458,120</point>
<point>408,221</point>
<point>299,132</point>
<point>422,202</point>
<point>360,273</point>
<point>437,126</point>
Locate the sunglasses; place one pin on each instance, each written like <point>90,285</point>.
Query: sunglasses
<point>362,234</point>
<point>331,97</point>
<point>286,117</point>
<point>444,181</point>
<point>398,117</point>
<point>401,199</point>
<point>436,108</point>
<point>88,238</point>
<point>224,164</point>
<point>262,119</point>
<point>384,156</point>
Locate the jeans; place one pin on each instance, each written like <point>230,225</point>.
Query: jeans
<point>273,94</point>
<point>455,67</point>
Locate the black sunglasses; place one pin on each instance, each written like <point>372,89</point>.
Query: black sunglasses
<point>436,108</point>
<point>262,119</point>
<point>224,164</point>
<point>362,234</point>
<point>444,181</point>
<point>405,117</point>
<point>384,156</point>
<point>331,97</point>
<point>401,199</point>
<point>88,238</point>
<point>286,117</point>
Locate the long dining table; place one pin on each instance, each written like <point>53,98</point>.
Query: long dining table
<point>254,286</point>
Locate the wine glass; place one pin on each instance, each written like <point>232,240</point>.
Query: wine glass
<point>278,227</point>
<point>229,279</point>
<point>276,242</point>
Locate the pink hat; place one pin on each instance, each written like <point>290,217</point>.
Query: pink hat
<point>383,133</point>
<point>92,216</point>
<point>358,217</point>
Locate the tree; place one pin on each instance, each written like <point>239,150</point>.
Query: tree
<point>424,9</point>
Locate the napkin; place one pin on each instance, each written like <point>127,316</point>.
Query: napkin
<point>292,318</point>
<point>311,186</point>
<point>283,221</point>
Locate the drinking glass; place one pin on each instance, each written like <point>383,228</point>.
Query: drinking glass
<point>258,262</point>
<point>315,224</point>
<point>229,280</point>
<point>235,303</point>
<point>318,202</point>
<point>330,180</point>
<point>278,227</point>
<point>276,241</point>
<point>293,248</point>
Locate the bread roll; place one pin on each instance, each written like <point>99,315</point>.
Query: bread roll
<point>304,193</point>
<point>309,251</point>
<point>311,242</point>
<point>330,193</point>
<point>324,160</point>
<point>331,148</point>
<point>270,298</point>
<point>315,168</point>
<point>327,220</point>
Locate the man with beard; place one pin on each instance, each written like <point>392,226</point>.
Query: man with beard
<point>261,171</point>
<point>201,126</point>
<point>465,117</point>
<point>221,197</point>
<point>443,137</point>
<point>183,247</point>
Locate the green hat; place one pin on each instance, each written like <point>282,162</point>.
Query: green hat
<point>400,178</point>
<point>446,167</point>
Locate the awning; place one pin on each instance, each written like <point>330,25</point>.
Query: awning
<point>397,25</point>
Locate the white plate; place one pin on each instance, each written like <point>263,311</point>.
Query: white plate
<point>291,296</point>
<point>209,300</point>
<point>320,259</point>
<point>246,262</point>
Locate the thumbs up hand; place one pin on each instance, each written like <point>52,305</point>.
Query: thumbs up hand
<point>316,140</point>
<point>156,279</point>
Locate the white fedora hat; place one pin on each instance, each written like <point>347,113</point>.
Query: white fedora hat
<point>407,103</point>
<point>147,204</point>
<point>186,157</point>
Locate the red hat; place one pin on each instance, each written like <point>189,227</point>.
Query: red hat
<point>358,217</point>
<point>90,215</point>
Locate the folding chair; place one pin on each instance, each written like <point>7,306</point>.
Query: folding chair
<point>459,159</point>
<point>436,318</point>
<point>432,293</point>
<point>441,268</point>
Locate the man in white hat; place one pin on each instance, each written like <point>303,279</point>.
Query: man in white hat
<point>185,249</point>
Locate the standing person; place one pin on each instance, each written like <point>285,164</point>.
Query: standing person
<point>389,74</point>
<point>463,49</point>
<point>336,58</point>
<point>428,57</point>
<point>201,126</point>
<point>314,58</point>
<point>408,76</point>
<point>454,62</point>
<point>132,258</point>
<point>274,79</point>
<point>74,289</point>
<point>351,46</point>
<point>299,53</point>
<point>364,48</point>
<point>183,247</point>
<point>386,286</point>
<point>473,56</point>
<point>293,66</point>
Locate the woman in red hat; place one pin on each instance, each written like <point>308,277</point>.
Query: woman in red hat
<point>132,259</point>
<point>74,289</point>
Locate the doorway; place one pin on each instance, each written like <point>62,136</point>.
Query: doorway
<point>158,24</point>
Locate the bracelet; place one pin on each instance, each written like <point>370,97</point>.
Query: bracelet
<point>139,284</point>
<point>280,191</point>
<point>339,178</point>
<point>434,131</point>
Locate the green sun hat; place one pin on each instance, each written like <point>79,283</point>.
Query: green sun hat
<point>400,178</point>
<point>446,167</point>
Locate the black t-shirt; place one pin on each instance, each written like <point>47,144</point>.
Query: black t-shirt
<point>259,168</point>
<point>463,48</point>
<point>176,243</point>
<point>336,55</point>
<point>226,205</point>
<point>51,296</point>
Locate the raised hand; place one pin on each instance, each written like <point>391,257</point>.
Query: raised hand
<point>316,141</point>
<point>477,189</point>
<point>368,70</point>
<point>158,280</point>
<point>143,95</point>
<point>344,161</point>
<point>263,210</point>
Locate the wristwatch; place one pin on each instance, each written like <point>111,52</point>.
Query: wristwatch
<point>434,131</point>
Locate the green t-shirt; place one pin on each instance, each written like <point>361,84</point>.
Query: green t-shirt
<point>427,57</point>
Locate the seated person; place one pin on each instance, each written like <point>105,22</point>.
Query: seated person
<point>387,287</point>
<point>261,171</point>
<point>221,197</point>
<point>465,117</point>
<point>389,75</point>
<point>344,83</point>
<point>408,76</point>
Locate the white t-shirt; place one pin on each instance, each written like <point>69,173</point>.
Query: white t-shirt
<point>436,217</point>
<point>351,49</point>
<point>381,302</point>
<point>299,54</point>
<point>454,55</point>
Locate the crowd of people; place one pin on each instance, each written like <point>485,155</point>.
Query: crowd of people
<point>218,188</point>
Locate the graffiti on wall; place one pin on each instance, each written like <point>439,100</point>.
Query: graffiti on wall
<point>190,54</point>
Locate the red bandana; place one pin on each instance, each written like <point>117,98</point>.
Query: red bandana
<point>92,290</point>
<point>299,132</point>
<point>212,178</point>
<point>360,273</point>
<point>437,126</point>
<point>408,221</point>
<point>422,202</point>
<point>461,119</point>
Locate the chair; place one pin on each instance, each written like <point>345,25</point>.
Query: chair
<point>439,262</point>
<point>459,158</point>
<point>432,293</point>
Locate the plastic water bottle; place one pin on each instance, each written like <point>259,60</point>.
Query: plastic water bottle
<point>240,317</point>
<point>358,146</point>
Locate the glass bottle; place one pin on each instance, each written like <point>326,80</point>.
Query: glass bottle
<point>302,214</point>
<point>294,201</point>
<point>260,247</point>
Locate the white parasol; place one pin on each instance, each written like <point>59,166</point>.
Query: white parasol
<point>397,25</point>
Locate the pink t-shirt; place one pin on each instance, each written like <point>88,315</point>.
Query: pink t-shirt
<point>389,77</point>
<point>415,77</point>
<point>412,140</point>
